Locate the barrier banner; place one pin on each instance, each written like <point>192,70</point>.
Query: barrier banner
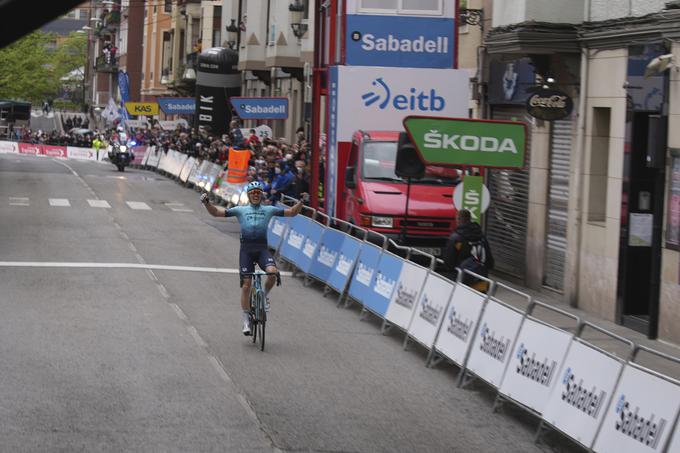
<point>212,171</point>
<point>74,152</point>
<point>434,298</point>
<point>404,297</point>
<point>674,447</point>
<point>314,232</point>
<point>147,153</point>
<point>641,414</point>
<point>276,231</point>
<point>494,342</point>
<point>383,284</point>
<point>291,249</point>
<point>154,157</point>
<point>179,160</point>
<point>188,167</point>
<point>196,176</point>
<point>165,157</point>
<point>367,263</point>
<point>139,152</point>
<point>349,251</point>
<point>54,151</point>
<point>579,401</point>
<point>458,328</point>
<point>326,254</point>
<point>30,149</point>
<point>9,147</point>
<point>532,372</point>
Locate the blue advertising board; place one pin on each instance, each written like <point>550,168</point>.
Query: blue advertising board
<point>349,251</point>
<point>385,279</point>
<point>276,231</point>
<point>311,243</point>
<point>291,249</point>
<point>249,108</point>
<point>327,254</point>
<point>176,106</point>
<point>400,41</point>
<point>367,264</point>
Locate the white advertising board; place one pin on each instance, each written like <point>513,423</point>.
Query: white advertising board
<point>532,371</point>
<point>462,316</point>
<point>9,147</point>
<point>404,299</point>
<point>145,159</point>
<point>434,298</point>
<point>674,447</point>
<point>154,156</point>
<point>641,415</point>
<point>579,401</point>
<point>74,152</point>
<point>187,169</point>
<point>378,98</point>
<point>492,346</point>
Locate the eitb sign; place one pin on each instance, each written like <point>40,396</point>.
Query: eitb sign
<point>476,143</point>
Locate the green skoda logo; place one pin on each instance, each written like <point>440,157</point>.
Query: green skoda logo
<point>477,143</point>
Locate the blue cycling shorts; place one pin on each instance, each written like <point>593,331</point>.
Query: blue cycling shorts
<point>252,253</point>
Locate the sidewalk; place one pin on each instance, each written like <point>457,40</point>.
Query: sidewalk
<point>596,338</point>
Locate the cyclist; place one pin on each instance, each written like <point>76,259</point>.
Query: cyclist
<point>254,219</point>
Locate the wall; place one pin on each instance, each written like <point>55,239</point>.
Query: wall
<point>669,298</point>
<point>614,9</point>
<point>506,12</point>
<point>599,252</point>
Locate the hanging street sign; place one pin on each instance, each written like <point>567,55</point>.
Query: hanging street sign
<point>252,108</point>
<point>477,143</point>
<point>549,105</point>
<point>472,194</point>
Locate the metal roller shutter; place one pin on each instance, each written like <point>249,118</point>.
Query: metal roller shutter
<point>558,200</point>
<point>506,218</point>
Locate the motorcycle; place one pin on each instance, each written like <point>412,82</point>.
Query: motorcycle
<point>120,156</point>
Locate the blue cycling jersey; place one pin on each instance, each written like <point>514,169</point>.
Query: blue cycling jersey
<point>254,220</point>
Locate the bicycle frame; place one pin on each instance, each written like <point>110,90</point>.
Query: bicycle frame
<point>258,315</point>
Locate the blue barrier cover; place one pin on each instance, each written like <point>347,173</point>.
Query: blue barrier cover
<point>314,233</point>
<point>367,263</point>
<point>327,254</point>
<point>298,227</point>
<point>384,281</point>
<point>276,231</point>
<point>349,251</point>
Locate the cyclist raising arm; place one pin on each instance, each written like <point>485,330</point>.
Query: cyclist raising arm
<point>254,219</point>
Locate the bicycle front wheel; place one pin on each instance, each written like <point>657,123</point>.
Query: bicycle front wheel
<point>261,318</point>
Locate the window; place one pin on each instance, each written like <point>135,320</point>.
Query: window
<point>379,4</point>
<point>168,6</point>
<point>599,163</point>
<point>429,7</point>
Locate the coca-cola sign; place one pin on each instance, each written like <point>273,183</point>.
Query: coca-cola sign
<point>549,105</point>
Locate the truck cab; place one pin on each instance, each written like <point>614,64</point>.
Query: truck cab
<point>374,197</point>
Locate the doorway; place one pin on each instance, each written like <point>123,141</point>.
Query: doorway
<point>641,223</point>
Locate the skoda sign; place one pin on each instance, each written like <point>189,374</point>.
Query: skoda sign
<point>260,108</point>
<point>444,141</point>
<point>549,105</point>
<point>415,42</point>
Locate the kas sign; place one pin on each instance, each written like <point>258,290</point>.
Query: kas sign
<point>414,42</point>
<point>260,108</point>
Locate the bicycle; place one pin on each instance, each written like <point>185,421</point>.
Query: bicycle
<point>258,314</point>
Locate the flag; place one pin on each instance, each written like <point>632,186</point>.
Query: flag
<point>110,113</point>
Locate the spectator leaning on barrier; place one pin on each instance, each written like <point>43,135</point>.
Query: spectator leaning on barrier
<point>468,249</point>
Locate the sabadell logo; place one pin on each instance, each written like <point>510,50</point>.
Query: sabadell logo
<point>414,99</point>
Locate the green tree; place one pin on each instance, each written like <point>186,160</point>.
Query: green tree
<point>26,70</point>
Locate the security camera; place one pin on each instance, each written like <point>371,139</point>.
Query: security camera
<point>658,65</point>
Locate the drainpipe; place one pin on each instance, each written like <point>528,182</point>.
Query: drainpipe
<point>577,208</point>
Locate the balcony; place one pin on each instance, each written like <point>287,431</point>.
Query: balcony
<point>104,64</point>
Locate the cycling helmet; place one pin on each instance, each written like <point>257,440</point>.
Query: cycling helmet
<point>254,185</point>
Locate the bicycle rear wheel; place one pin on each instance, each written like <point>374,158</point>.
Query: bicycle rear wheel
<point>262,318</point>
<point>253,314</point>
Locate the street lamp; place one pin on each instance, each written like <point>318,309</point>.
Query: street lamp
<point>297,10</point>
<point>232,34</point>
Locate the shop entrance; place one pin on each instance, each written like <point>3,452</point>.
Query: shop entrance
<point>641,223</point>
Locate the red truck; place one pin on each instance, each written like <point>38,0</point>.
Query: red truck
<point>374,197</point>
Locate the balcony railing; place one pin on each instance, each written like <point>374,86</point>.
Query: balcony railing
<point>104,64</point>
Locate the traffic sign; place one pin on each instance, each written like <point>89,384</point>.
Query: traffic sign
<point>478,143</point>
<point>142,108</point>
<point>472,194</point>
<point>251,108</point>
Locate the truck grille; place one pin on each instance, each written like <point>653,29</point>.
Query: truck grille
<point>432,224</point>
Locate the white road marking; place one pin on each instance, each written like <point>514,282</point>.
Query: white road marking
<point>19,201</point>
<point>159,267</point>
<point>138,205</point>
<point>99,204</point>
<point>178,207</point>
<point>59,202</point>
